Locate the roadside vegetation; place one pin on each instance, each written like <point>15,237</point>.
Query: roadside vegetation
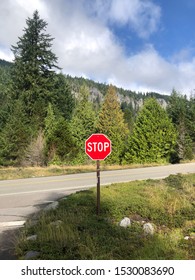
<point>73,231</point>
<point>11,173</point>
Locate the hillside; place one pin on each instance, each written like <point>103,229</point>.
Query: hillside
<point>128,97</point>
<point>98,90</point>
<point>4,63</point>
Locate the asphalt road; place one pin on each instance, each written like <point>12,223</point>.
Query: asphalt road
<point>20,198</point>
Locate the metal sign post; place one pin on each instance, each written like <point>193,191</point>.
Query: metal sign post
<point>98,187</point>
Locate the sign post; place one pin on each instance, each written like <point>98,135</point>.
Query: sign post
<point>98,147</point>
<point>98,187</point>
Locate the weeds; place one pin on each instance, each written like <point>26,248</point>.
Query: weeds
<point>80,234</point>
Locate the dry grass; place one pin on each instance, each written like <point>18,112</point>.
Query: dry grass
<point>10,173</point>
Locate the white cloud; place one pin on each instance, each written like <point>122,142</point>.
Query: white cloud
<point>142,16</point>
<point>87,46</point>
<point>6,55</point>
<point>154,73</point>
<point>31,5</point>
<point>13,15</point>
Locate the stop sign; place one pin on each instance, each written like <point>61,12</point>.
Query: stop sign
<point>98,146</point>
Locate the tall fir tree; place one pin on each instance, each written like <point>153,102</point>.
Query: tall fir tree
<point>180,111</point>
<point>83,122</point>
<point>111,123</point>
<point>34,64</point>
<point>153,138</point>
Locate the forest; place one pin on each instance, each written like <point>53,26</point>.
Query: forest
<point>46,116</point>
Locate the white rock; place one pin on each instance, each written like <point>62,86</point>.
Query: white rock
<point>32,237</point>
<point>52,206</point>
<point>31,254</point>
<point>126,222</point>
<point>148,229</point>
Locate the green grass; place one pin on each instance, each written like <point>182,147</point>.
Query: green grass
<point>169,204</point>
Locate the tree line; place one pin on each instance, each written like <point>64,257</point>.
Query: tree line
<point>42,122</point>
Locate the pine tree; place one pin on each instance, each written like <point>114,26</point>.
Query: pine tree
<point>191,116</point>
<point>83,122</point>
<point>153,138</point>
<point>49,131</point>
<point>179,110</point>
<point>14,137</point>
<point>33,72</point>
<point>50,122</point>
<point>111,123</point>
<point>62,97</point>
<point>5,98</point>
<point>59,144</point>
<point>129,114</point>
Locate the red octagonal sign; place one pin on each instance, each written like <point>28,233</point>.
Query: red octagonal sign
<point>98,146</point>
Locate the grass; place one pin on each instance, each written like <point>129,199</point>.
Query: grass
<point>10,173</point>
<point>169,204</point>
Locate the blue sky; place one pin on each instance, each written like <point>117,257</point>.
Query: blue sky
<point>176,30</point>
<point>142,45</point>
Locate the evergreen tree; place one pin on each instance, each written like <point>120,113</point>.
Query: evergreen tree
<point>129,114</point>
<point>49,131</point>
<point>62,97</point>
<point>59,144</point>
<point>111,123</point>
<point>153,138</point>
<point>33,74</point>
<point>179,111</point>
<point>5,99</point>
<point>50,122</point>
<point>83,122</point>
<point>191,115</point>
<point>14,137</point>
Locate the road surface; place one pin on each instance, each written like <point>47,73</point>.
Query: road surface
<point>22,197</point>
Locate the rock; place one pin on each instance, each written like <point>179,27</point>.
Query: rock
<point>148,229</point>
<point>126,222</point>
<point>32,237</point>
<point>51,206</point>
<point>31,254</point>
